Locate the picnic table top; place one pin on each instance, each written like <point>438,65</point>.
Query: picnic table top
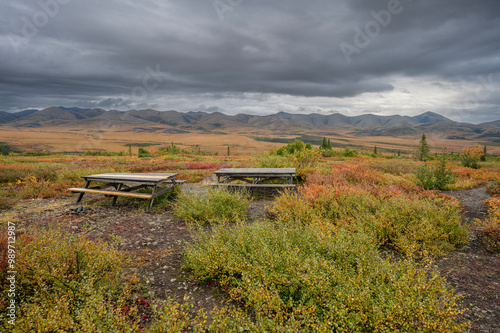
<point>132,177</point>
<point>256,171</point>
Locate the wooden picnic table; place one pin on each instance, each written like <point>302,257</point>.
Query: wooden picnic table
<point>120,183</point>
<point>256,177</point>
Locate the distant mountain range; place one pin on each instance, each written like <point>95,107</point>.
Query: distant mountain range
<point>279,123</point>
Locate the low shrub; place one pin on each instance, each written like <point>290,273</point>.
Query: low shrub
<point>66,284</point>
<point>471,157</point>
<point>397,168</point>
<point>203,165</point>
<point>354,174</point>
<point>293,147</point>
<point>317,278</point>
<point>463,184</point>
<point>168,316</point>
<point>400,218</point>
<point>143,153</point>
<point>491,226</point>
<point>434,176</point>
<point>216,206</point>
<point>5,201</point>
<point>296,154</point>
<point>327,152</point>
<point>350,153</point>
<point>493,187</point>
<point>273,161</point>
<point>192,176</point>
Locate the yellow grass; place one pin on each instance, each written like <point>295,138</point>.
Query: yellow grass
<point>114,138</point>
<point>69,140</point>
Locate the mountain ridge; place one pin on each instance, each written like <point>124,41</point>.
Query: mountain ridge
<point>361,125</point>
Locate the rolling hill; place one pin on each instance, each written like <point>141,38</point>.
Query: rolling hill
<point>279,123</point>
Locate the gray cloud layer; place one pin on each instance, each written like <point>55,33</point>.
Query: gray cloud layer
<point>352,56</point>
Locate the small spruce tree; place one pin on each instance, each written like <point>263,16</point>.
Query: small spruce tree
<point>375,151</point>
<point>483,158</point>
<point>423,148</point>
<point>325,144</point>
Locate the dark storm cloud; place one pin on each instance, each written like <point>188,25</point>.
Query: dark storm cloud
<point>124,54</point>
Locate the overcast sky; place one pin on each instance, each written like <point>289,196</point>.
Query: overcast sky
<point>254,56</point>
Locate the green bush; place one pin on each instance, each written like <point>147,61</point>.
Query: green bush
<point>274,161</point>
<point>434,177</point>
<point>296,154</point>
<point>218,205</point>
<point>293,147</point>
<point>327,152</point>
<point>143,153</point>
<point>350,153</point>
<point>318,278</point>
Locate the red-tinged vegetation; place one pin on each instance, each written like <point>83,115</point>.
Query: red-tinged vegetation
<point>201,165</point>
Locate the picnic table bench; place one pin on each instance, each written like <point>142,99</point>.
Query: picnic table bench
<point>120,181</point>
<point>255,177</point>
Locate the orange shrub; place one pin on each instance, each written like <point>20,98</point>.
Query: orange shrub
<point>471,156</point>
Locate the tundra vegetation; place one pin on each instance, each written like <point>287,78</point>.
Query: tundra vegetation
<point>351,250</point>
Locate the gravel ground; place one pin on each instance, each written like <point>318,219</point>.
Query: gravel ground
<point>471,270</point>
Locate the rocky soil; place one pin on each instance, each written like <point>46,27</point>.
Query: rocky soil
<point>471,270</point>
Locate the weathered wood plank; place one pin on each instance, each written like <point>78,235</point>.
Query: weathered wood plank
<point>254,185</point>
<point>256,171</point>
<point>132,177</point>
<point>113,193</point>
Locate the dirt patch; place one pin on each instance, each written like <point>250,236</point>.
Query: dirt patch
<point>472,200</point>
<point>471,270</point>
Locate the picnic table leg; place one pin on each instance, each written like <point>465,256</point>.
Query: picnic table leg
<point>81,194</point>
<point>152,198</point>
<point>118,188</point>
